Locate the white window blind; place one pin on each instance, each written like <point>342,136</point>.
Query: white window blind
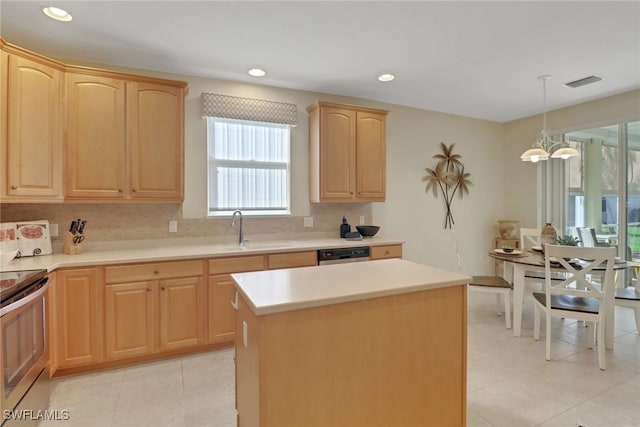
<point>248,167</point>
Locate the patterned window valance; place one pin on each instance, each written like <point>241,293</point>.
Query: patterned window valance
<point>258,110</point>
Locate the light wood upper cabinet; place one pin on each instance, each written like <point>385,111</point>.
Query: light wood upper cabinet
<point>371,156</point>
<point>154,133</point>
<point>117,137</point>
<point>31,136</point>
<point>347,147</point>
<point>125,139</point>
<point>95,146</point>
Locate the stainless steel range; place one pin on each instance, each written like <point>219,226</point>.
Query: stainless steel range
<point>24,387</point>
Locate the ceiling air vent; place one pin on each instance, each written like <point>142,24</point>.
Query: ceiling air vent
<point>584,81</point>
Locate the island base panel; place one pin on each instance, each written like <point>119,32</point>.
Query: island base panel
<point>396,360</point>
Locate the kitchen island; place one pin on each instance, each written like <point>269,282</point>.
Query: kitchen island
<point>379,343</point>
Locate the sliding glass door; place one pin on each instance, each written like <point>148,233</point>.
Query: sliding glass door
<point>592,194</point>
<point>593,189</point>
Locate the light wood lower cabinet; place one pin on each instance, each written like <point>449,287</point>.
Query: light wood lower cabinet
<point>129,319</point>
<point>222,290</point>
<point>78,305</point>
<point>386,251</point>
<point>221,315</point>
<point>161,313</point>
<point>292,260</point>
<point>105,315</point>
<point>181,314</point>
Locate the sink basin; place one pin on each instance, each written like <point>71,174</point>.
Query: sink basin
<point>266,245</point>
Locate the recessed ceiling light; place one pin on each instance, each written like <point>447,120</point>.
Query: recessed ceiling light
<point>256,72</point>
<point>386,77</point>
<point>57,14</point>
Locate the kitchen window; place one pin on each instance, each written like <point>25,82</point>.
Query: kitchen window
<point>248,167</point>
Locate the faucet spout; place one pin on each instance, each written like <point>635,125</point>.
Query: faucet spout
<point>233,224</point>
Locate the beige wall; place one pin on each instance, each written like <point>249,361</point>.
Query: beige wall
<point>503,187</point>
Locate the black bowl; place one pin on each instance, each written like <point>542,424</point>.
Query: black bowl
<point>367,230</point>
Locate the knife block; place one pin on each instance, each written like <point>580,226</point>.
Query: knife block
<point>69,247</point>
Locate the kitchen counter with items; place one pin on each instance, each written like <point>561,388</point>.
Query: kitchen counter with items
<point>135,251</point>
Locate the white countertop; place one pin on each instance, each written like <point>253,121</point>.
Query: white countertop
<point>275,291</point>
<point>102,253</point>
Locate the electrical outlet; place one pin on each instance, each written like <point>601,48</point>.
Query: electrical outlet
<point>361,219</point>
<point>173,226</point>
<point>53,230</point>
<point>308,221</point>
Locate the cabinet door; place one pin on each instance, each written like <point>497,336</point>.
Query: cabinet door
<point>371,156</point>
<point>292,260</point>
<point>77,317</point>
<point>221,317</point>
<point>95,150</point>
<point>181,316</point>
<point>32,136</point>
<point>337,153</point>
<point>155,116</point>
<point>129,319</point>
<point>386,251</point>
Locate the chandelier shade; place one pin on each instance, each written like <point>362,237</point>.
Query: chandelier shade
<point>545,145</point>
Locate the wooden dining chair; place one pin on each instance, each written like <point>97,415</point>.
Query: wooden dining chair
<point>579,296</point>
<point>498,286</point>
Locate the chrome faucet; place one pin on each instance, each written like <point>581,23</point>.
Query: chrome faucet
<point>241,240</point>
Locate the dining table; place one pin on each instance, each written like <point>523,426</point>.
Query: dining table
<point>518,262</point>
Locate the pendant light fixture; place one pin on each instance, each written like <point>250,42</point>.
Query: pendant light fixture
<point>545,144</point>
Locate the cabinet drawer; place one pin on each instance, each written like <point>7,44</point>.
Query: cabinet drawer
<point>386,251</point>
<point>292,259</point>
<point>156,270</point>
<point>236,264</point>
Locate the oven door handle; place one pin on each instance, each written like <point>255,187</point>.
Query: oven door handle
<point>24,301</point>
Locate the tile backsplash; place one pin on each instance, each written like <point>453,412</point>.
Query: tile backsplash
<point>109,222</point>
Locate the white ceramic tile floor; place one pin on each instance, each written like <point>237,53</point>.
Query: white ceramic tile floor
<point>509,382</point>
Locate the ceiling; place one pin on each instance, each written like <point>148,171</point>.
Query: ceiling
<point>476,59</point>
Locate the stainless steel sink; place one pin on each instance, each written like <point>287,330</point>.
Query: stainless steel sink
<point>267,245</point>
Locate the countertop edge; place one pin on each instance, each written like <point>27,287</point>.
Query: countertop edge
<point>388,277</point>
<point>281,308</point>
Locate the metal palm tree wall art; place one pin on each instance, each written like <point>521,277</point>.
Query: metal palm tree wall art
<point>449,177</point>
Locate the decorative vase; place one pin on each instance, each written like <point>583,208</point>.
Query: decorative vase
<point>507,228</point>
<point>548,234</point>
